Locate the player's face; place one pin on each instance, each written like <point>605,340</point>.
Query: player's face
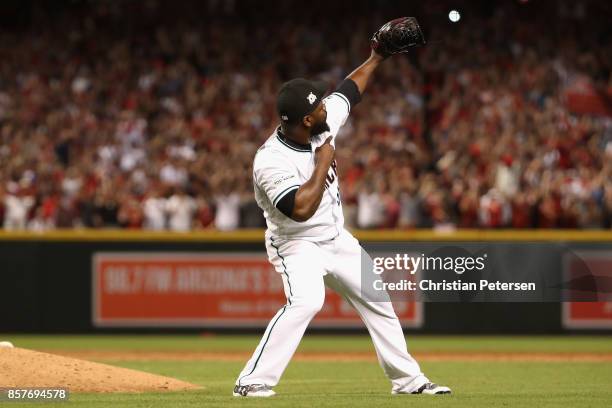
<point>319,120</point>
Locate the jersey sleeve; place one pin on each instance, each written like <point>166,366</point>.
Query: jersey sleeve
<point>275,175</point>
<point>338,109</point>
<point>339,104</point>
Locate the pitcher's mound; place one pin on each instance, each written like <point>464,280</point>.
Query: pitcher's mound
<point>27,368</point>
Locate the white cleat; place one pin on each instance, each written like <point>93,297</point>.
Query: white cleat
<point>428,389</point>
<point>253,390</point>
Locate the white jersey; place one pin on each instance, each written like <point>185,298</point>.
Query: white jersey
<point>282,166</point>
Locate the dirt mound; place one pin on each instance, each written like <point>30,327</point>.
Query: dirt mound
<point>27,368</point>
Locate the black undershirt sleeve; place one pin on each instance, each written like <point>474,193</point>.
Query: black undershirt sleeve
<point>286,204</point>
<point>349,89</point>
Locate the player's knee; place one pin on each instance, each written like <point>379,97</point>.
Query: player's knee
<point>312,309</point>
<point>317,305</point>
<point>310,306</point>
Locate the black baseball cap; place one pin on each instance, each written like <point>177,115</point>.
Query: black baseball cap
<point>298,98</point>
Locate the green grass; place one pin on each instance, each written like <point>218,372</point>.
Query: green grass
<point>476,384</point>
<point>318,343</point>
<point>359,384</point>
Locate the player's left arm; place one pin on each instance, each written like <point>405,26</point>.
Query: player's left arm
<point>361,75</point>
<point>394,37</point>
<point>348,93</point>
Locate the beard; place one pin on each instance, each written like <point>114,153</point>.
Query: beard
<point>319,128</point>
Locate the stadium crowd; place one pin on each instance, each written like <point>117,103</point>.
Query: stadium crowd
<point>115,122</point>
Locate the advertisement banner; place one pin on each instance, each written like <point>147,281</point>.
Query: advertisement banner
<point>179,289</point>
<point>589,315</point>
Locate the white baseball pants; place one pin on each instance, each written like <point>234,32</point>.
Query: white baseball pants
<point>306,267</point>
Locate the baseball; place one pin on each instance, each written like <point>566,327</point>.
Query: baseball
<point>6,344</point>
<point>454,16</point>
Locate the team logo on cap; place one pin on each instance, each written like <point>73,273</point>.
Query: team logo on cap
<point>311,98</point>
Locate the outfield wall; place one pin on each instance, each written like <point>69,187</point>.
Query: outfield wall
<point>110,281</point>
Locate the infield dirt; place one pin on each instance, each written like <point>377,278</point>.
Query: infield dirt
<point>27,368</point>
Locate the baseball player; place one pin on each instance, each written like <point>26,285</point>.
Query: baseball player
<point>296,185</point>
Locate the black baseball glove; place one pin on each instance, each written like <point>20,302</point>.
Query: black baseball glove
<point>397,36</point>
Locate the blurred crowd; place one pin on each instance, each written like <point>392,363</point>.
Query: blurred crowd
<point>118,115</point>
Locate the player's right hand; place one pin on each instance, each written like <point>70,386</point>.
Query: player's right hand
<point>325,153</point>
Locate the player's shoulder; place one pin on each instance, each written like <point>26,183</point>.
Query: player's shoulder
<point>337,98</point>
<point>269,148</point>
<point>269,152</point>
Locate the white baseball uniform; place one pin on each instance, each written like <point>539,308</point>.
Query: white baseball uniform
<point>309,255</point>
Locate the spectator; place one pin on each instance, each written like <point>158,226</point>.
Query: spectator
<point>16,210</point>
<point>227,214</point>
<point>40,223</point>
<point>488,136</point>
<point>371,208</point>
<point>181,209</point>
<point>154,211</point>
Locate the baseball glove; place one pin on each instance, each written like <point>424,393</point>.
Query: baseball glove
<point>397,36</point>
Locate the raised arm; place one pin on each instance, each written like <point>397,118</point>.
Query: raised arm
<point>361,75</point>
<point>395,37</point>
<point>349,92</point>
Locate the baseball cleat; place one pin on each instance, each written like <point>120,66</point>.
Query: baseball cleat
<point>428,389</point>
<point>253,390</point>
